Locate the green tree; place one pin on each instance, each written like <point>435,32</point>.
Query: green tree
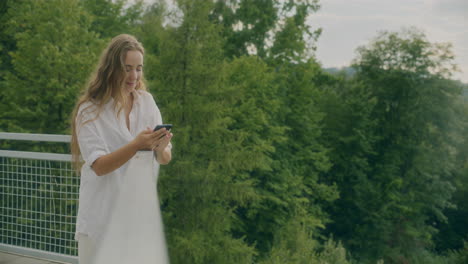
<point>257,24</point>
<point>111,18</point>
<point>204,183</point>
<point>410,179</point>
<point>350,135</point>
<point>6,45</point>
<point>454,231</point>
<point>235,109</point>
<point>55,50</point>
<point>291,191</point>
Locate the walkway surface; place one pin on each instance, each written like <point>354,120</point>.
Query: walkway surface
<point>9,258</point>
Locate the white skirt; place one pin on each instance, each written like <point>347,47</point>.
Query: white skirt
<point>135,231</point>
<point>86,249</point>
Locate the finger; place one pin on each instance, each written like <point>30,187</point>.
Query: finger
<point>153,147</point>
<point>161,142</point>
<point>157,141</point>
<point>164,142</point>
<point>168,137</point>
<point>159,132</point>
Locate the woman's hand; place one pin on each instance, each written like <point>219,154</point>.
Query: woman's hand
<point>163,141</point>
<point>163,155</point>
<point>149,139</point>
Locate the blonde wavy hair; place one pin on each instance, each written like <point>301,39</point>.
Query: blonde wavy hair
<point>105,83</point>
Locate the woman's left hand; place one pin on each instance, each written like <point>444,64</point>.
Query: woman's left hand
<point>162,143</point>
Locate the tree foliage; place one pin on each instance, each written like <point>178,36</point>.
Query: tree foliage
<point>53,58</point>
<point>274,160</point>
<point>262,25</point>
<point>406,178</point>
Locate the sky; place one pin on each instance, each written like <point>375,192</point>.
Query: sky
<point>348,24</point>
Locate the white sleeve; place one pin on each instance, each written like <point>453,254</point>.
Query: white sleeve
<point>90,141</point>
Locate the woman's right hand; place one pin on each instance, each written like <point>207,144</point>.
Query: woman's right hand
<point>148,138</point>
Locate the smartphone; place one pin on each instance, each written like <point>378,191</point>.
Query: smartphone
<point>167,126</point>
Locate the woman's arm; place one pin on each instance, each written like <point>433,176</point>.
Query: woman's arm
<point>112,161</point>
<point>105,164</point>
<point>163,157</point>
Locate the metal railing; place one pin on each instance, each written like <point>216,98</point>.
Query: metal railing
<point>38,201</point>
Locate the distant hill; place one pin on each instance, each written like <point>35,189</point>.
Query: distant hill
<point>348,71</point>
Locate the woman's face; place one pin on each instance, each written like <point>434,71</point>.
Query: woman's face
<point>133,69</point>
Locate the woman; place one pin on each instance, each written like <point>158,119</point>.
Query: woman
<point>112,123</point>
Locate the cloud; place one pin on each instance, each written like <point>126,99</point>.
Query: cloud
<point>451,7</point>
<point>349,24</point>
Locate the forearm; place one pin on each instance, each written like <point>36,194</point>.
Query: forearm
<point>163,157</point>
<point>112,161</point>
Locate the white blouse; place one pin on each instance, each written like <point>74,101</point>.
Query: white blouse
<point>99,137</point>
